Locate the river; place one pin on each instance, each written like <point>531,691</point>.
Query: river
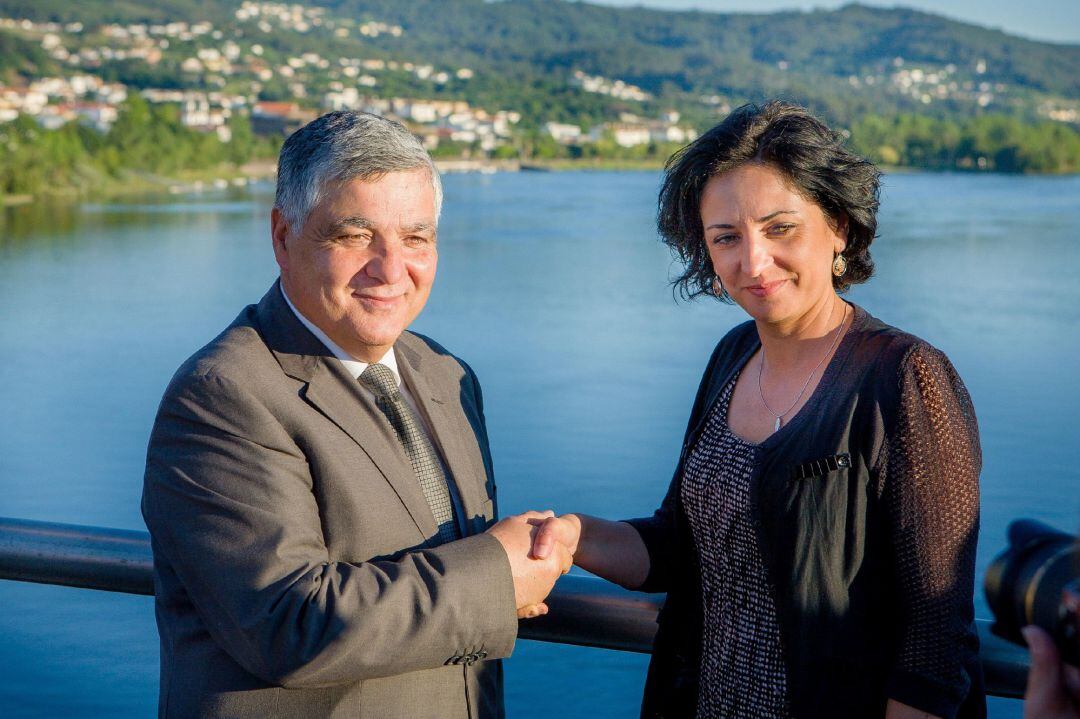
<point>555,289</point>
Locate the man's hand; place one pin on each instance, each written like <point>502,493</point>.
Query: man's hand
<point>1053,688</point>
<point>533,577</point>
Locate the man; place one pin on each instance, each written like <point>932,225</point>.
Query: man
<point>318,481</point>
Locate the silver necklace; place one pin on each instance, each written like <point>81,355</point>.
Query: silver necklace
<point>761,365</point>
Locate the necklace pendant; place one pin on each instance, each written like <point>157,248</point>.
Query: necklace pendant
<point>776,427</point>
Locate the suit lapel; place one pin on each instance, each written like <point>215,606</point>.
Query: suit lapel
<point>337,395</point>
<point>453,435</point>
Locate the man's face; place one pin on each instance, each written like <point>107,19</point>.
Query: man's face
<point>362,265</point>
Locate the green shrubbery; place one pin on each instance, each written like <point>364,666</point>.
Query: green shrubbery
<point>146,139</point>
<point>150,139</point>
<point>990,142</point>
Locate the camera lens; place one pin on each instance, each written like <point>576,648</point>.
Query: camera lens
<point>1027,583</point>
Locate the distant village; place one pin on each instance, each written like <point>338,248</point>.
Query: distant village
<point>237,69</point>
<point>242,70</point>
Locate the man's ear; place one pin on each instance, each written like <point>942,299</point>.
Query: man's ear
<point>279,233</point>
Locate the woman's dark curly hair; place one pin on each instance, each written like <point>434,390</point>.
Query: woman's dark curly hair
<point>810,155</point>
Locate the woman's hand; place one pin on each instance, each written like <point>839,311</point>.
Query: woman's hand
<point>566,530</point>
<point>612,550</point>
<point>551,534</point>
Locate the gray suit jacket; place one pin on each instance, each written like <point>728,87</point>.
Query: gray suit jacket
<point>295,570</point>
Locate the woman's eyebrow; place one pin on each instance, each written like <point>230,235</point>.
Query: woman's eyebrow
<point>766,218</point>
<point>771,215</point>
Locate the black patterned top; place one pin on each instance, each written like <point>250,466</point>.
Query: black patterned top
<point>872,563</point>
<point>742,667</point>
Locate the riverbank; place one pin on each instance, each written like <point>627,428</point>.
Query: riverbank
<point>547,165</point>
<point>133,183</point>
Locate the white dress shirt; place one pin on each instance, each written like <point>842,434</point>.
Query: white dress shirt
<point>356,368</point>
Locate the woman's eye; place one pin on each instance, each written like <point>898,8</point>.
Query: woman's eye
<point>724,239</point>
<point>781,229</point>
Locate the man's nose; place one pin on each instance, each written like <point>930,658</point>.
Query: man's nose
<point>388,263</point>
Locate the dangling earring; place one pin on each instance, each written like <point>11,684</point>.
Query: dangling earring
<point>717,286</point>
<point>839,265</point>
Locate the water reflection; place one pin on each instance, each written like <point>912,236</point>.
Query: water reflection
<point>47,222</point>
<point>26,222</point>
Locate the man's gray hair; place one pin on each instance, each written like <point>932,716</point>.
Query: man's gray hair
<point>341,146</point>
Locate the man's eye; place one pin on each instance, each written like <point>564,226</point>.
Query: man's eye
<point>417,241</point>
<point>352,239</point>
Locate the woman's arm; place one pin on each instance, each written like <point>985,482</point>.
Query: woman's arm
<point>612,550</point>
<point>896,710</point>
<point>930,493</point>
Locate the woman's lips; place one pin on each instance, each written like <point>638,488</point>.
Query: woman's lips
<point>765,288</point>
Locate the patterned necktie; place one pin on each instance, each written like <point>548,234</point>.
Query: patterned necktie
<point>381,381</point>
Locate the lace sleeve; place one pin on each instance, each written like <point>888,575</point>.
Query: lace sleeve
<point>930,487</point>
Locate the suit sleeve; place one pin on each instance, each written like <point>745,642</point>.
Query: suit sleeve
<point>930,490</point>
<point>229,502</point>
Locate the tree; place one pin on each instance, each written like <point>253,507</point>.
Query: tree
<point>242,139</point>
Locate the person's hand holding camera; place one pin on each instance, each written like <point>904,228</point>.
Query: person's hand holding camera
<point>1053,687</point>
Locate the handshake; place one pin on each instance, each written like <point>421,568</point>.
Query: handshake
<point>541,548</point>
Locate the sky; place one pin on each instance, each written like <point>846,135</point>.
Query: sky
<point>1051,20</point>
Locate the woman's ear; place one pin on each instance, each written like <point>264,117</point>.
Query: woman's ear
<point>841,232</point>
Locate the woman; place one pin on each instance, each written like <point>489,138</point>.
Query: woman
<point>817,542</point>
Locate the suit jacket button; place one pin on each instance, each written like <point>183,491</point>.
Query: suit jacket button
<point>456,659</point>
<point>481,654</point>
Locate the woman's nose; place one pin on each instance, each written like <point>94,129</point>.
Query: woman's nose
<point>757,256</point>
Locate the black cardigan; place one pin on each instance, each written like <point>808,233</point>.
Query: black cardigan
<point>866,513</point>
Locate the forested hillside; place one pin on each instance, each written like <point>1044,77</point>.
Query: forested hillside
<point>532,80</point>
<point>813,54</point>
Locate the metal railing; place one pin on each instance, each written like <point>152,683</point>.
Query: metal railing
<point>583,610</point>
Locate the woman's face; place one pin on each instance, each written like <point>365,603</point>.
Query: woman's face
<point>772,248</point>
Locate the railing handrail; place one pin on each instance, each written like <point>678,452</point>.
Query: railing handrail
<point>585,611</point>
